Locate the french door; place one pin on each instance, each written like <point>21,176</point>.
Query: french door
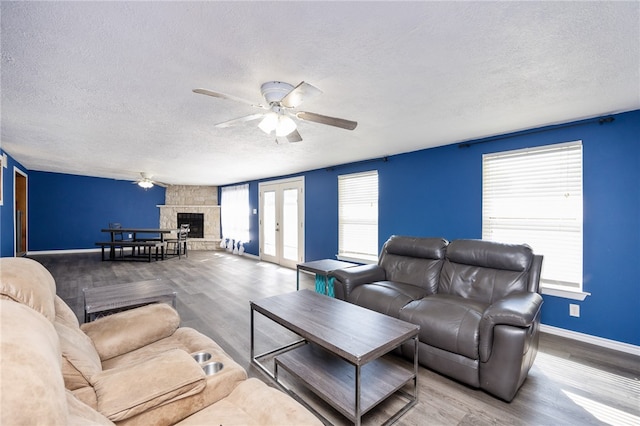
<point>282,221</point>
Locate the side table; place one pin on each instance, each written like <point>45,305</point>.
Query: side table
<point>101,301</point>
<point>322,269</point>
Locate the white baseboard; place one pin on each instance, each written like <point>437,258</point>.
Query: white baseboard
<point>594,340</point>
<point>72,251</point>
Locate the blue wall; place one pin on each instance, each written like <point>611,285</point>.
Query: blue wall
<point>433,192</point>
<point>438,192</point>
<point>7,208</point>
<point>68,211</point>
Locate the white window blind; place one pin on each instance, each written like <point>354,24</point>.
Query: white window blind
<point>358,216</point>
<point>534,196</point>
<point>235,212</point>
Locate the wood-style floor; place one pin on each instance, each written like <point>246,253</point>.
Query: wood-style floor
<point>571,383</point>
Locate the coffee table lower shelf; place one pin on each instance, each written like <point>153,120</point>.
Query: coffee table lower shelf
<point>336,381</point>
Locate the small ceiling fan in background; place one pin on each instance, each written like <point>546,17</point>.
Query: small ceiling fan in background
<point>281,101</point>
<point>144,181</point>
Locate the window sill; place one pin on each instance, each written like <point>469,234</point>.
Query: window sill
<point>363,260</point>
<point>573,295</point>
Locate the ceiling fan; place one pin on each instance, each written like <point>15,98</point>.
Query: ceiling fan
<point>144,181</point>
<point>281,101</point>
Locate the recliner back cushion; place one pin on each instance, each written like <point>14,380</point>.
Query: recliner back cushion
<point>64,314</point>
<point>28,282</point>
<point>32,388</point>
<point>413,260</point>
<point>484,270</point>
<point>79,356</point>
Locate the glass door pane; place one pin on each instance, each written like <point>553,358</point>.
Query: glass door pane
<point>290,224</point>
<point>269,223</point>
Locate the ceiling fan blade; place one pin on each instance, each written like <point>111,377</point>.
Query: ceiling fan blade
<point>294,137</point>
<point>225,96</point>
<point>144,177</point>
<point>240,120</point>
<point>299,94</point>
<point>323,119</point>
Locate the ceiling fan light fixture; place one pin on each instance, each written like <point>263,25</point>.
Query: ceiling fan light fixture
<point>269,122</point>
<point>145,184</point>
<point>285,125</point>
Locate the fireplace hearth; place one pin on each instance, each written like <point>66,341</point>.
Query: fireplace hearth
<point>195,222</point>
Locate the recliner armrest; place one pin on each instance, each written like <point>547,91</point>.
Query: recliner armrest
<point>517,309</point>
<point>126,331</point>
<point>350,278</point>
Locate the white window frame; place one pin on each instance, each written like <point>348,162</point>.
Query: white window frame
<point>534,196</point>
<point>358,217</point>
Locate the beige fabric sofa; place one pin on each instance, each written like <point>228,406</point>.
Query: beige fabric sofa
<point>130,368</point>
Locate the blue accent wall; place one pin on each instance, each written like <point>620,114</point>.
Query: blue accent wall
<point>68,211</point>
<point>438,192</point>
<point>7,247</point>
<point>432,192</point>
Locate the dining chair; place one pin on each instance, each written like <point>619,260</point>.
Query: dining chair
<point>117,236</point>
<point>180,242</point>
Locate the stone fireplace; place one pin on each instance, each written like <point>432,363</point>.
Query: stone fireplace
<point>193,201</point>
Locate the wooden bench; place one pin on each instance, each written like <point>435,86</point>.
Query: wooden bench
<point>158,245</point>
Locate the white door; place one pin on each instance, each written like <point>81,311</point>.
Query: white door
<point>282,222</point>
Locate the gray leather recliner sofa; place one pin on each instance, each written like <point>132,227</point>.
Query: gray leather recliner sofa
<point>477,304</point>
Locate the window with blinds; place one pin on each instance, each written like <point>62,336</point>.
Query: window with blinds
<point>534,196</point>
<point>358,216</point>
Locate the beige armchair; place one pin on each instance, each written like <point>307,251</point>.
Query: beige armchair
<point>134,367</point>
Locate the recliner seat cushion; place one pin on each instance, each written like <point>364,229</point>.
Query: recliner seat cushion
<point>240,408</point>
<point>447,322</point>
<point>386,297</point>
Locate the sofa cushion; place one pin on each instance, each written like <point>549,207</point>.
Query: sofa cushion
<point>447,322</point>
<point>484,270</point>
<point>80,414</point>
<point>386,297</point>
<point>28,282</point>
<point>240,408</point>
<point>31,389</point>
<point>143,325</point>
<point>414,260</point>
<point>64,314</point>
<point>129,390</point>
<point>80,359</point>
<point>218,386</point>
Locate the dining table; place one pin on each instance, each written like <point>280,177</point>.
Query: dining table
<point>158,235</point>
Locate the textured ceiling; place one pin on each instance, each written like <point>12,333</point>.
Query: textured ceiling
<point>104,88</point>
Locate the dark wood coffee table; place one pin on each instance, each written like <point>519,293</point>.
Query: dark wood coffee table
<point>102,301</point>
<point>340,354</point>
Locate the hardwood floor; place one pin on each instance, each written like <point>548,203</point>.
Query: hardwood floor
<point>571,383</point>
